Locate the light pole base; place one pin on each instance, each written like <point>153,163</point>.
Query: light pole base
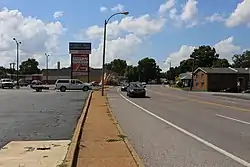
<point>17,87</point>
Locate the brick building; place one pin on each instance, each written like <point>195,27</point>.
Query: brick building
<point>217,79</point>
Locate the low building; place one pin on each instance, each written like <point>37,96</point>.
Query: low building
<point>218,79</point>
<point>186,78</point>
<point>65,73</point>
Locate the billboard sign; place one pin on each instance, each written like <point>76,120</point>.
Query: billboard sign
<point>79,47</point>
<point>80,64</point>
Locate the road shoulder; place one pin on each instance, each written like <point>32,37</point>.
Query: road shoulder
<point>101,143</point>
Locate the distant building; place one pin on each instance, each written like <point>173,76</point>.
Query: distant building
<point>186,78</point>
<point>65,73</point>
<point>218,79</point>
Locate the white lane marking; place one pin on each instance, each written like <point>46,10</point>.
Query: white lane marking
<point>233,157</point>
<point>233,119</point>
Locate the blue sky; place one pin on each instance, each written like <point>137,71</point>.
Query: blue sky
<point>174,33</point>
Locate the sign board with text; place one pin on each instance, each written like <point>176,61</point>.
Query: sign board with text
<point>80,64</point>
<point>80,52</point>
<point>80,48</point>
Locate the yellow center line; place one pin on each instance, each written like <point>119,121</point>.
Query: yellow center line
<point>203,102</point>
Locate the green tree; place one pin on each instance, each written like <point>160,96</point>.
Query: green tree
<point>131,73</point>
<point>241,60</point>
<point>118,66</point>
<point>205,56</point>
<point>148,69</point>
<point>29,66</point>
<point>221,63</point>
<point>2,71</point>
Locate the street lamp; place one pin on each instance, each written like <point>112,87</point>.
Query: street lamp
<point>17,62</point>
<point>47,67</point>
<point>104,45</point>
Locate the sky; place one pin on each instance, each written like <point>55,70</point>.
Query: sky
<point>166,30</point>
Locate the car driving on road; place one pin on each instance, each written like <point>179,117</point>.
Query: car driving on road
<point>7,83</point>
<point>124,86</point>
<point>71,84</point>
<point>136,89</point>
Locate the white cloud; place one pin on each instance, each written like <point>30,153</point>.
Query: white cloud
<point>176,57</point>
<point>189,10</point>
<point>241,15</point>
<point>37,37</point>
<point>226,48</point>
<point>58,14</point>
<point>166,6</point>
<point>216,17</point>
<point>119,48</point>
<point>118,8</point>
<point>187,17</point>
<point>103,9</point>
<point>143,25</point>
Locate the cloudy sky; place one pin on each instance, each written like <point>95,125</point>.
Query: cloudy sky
<point>167,30</point>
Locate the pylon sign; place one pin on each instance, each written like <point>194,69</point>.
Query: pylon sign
<point>80,52</point>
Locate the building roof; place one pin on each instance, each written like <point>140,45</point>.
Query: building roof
<point>187,75</point>
<point>228,70</point>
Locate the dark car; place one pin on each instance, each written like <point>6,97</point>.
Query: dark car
<point>124,87</point>
<point>136,89</point>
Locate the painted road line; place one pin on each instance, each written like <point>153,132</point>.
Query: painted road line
<point>233,119</point>
<point>203,102</point>
<point>230,155</point>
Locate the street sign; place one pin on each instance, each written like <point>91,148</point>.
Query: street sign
<point>80,47</point>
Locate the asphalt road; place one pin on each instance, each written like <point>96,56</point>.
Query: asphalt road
<point>179,128</point>
<point>47,115</point>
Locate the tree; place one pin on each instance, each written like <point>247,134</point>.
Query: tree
<point>148,69</point>
<point>241,60</point>
<point>204,56</point>
<point>221,63</point>
<point>29,66</point>
<point>118,66</point>
<point>2,71</point>
<point>131,73</point>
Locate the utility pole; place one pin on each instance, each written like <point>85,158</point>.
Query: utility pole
<point>17,62</point>
<point>192,79</point>
<point>47,67</point>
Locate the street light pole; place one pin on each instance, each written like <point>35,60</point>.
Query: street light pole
<point>104,45</point>
<point>47,67</point>
<point>17,62</point>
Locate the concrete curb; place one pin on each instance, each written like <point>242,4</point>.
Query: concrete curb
<point>71,156</point>
<point>135,156</point>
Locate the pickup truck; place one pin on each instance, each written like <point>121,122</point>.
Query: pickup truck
<point>38,86</point>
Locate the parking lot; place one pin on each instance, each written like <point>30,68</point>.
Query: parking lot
<point>29,115</point>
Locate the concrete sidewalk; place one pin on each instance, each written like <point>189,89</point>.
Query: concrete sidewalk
<point>101,143</point>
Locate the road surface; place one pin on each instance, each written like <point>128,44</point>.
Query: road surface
<point>47,115</point>
<point>179,128</point>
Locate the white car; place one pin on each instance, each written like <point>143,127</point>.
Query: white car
<point>7,83</point>
<point>144,84</point>
<point>72,84</point>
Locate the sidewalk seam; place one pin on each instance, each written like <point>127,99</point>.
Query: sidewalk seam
<point>71,155</point>
<point>132,151</point>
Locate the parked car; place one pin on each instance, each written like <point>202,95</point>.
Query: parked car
<point>144,84</point>
<point>21,83</point>
<point>72,84</point>
<point>124,87</point>
<point>136,89</point>
<point>7,83</point>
